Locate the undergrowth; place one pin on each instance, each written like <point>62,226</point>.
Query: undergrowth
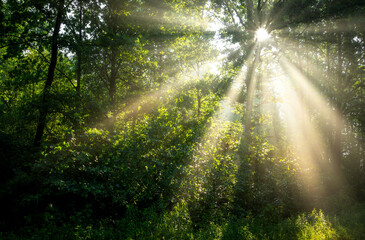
<point>176,224</point>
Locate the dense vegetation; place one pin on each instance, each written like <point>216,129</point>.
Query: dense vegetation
<point>178,119</point>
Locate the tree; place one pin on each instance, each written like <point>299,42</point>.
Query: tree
<point>43,111</point>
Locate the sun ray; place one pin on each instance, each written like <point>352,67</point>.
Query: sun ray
<point>301,99</point>
<point>311,136</point>
<point>341,25</point>
<point>158,18</point>
<point>333,115</point>
<point>216,126</point>
<point>142,104</point>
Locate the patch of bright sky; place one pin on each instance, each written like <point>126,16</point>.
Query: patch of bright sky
<point>217,42</point>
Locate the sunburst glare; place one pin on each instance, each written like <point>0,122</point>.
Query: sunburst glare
<point>262,35</point>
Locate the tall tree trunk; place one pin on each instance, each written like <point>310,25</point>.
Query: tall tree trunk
<point>337,146</point>
<point>251,86</point>
<point>199,94</point>
<point>249,162</point>
<point>113,74</point>
<point>78,84</point>
<point>79,50</point>
<point>249,9</point>
<point>328,58</point>
<point>301,97</point>
<point>251,83</point>
<point>199,102</point>
<point>43,110</point>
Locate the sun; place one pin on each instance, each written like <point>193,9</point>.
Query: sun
<point>262,35</point>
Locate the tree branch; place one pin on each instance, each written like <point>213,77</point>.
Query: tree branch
<point>64,74</point>
<point>230,11</point>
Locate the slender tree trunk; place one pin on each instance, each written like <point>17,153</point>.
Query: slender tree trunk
<point>337,146</point>
<point>302,118</point>
<point>113,75</point>
<point>251,82</point>
<point>276,126</point>
<point>159,70</point>
<point>199,94</point>
<point>43,111</point>
<point>328,59</point>
<point>79,50</point>
<point>248,158</point>
<point>199,103</point>
<point>78,85</point>
<point>250,20</point>
<point>251,86</point>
